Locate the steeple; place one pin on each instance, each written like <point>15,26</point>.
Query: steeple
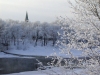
<point>26,18</point>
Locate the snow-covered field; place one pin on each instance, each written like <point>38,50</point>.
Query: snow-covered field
<point>39,51</point>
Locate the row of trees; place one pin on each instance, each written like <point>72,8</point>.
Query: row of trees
<point>20,33</point>
<point>16,33</point>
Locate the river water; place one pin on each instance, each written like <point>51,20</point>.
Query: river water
<point>15,65</point>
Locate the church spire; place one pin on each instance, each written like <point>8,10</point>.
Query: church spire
<point>26,18</point>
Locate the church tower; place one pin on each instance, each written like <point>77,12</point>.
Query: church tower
<point>26,18</point>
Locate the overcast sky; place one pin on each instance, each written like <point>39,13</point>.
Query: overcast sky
<point>38,10</point>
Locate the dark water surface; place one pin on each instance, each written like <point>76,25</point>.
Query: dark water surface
<point>14,65</point>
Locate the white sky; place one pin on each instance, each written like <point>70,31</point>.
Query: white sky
<point>38,10</point>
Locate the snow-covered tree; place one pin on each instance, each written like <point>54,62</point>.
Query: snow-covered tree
<point>82,33</point>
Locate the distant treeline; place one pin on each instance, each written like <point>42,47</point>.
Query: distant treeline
<point>16,33</point>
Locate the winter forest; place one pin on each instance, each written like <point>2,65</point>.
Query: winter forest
<point>81,33</point>
<point>20,33</point>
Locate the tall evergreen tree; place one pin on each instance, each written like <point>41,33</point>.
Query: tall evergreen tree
<point>26,18</point>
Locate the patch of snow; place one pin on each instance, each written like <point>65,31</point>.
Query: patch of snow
<point>3,55</point>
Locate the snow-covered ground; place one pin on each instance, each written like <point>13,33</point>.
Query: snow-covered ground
<point>38,51</point>
<point>3,55</point>
<point>53,71</point>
